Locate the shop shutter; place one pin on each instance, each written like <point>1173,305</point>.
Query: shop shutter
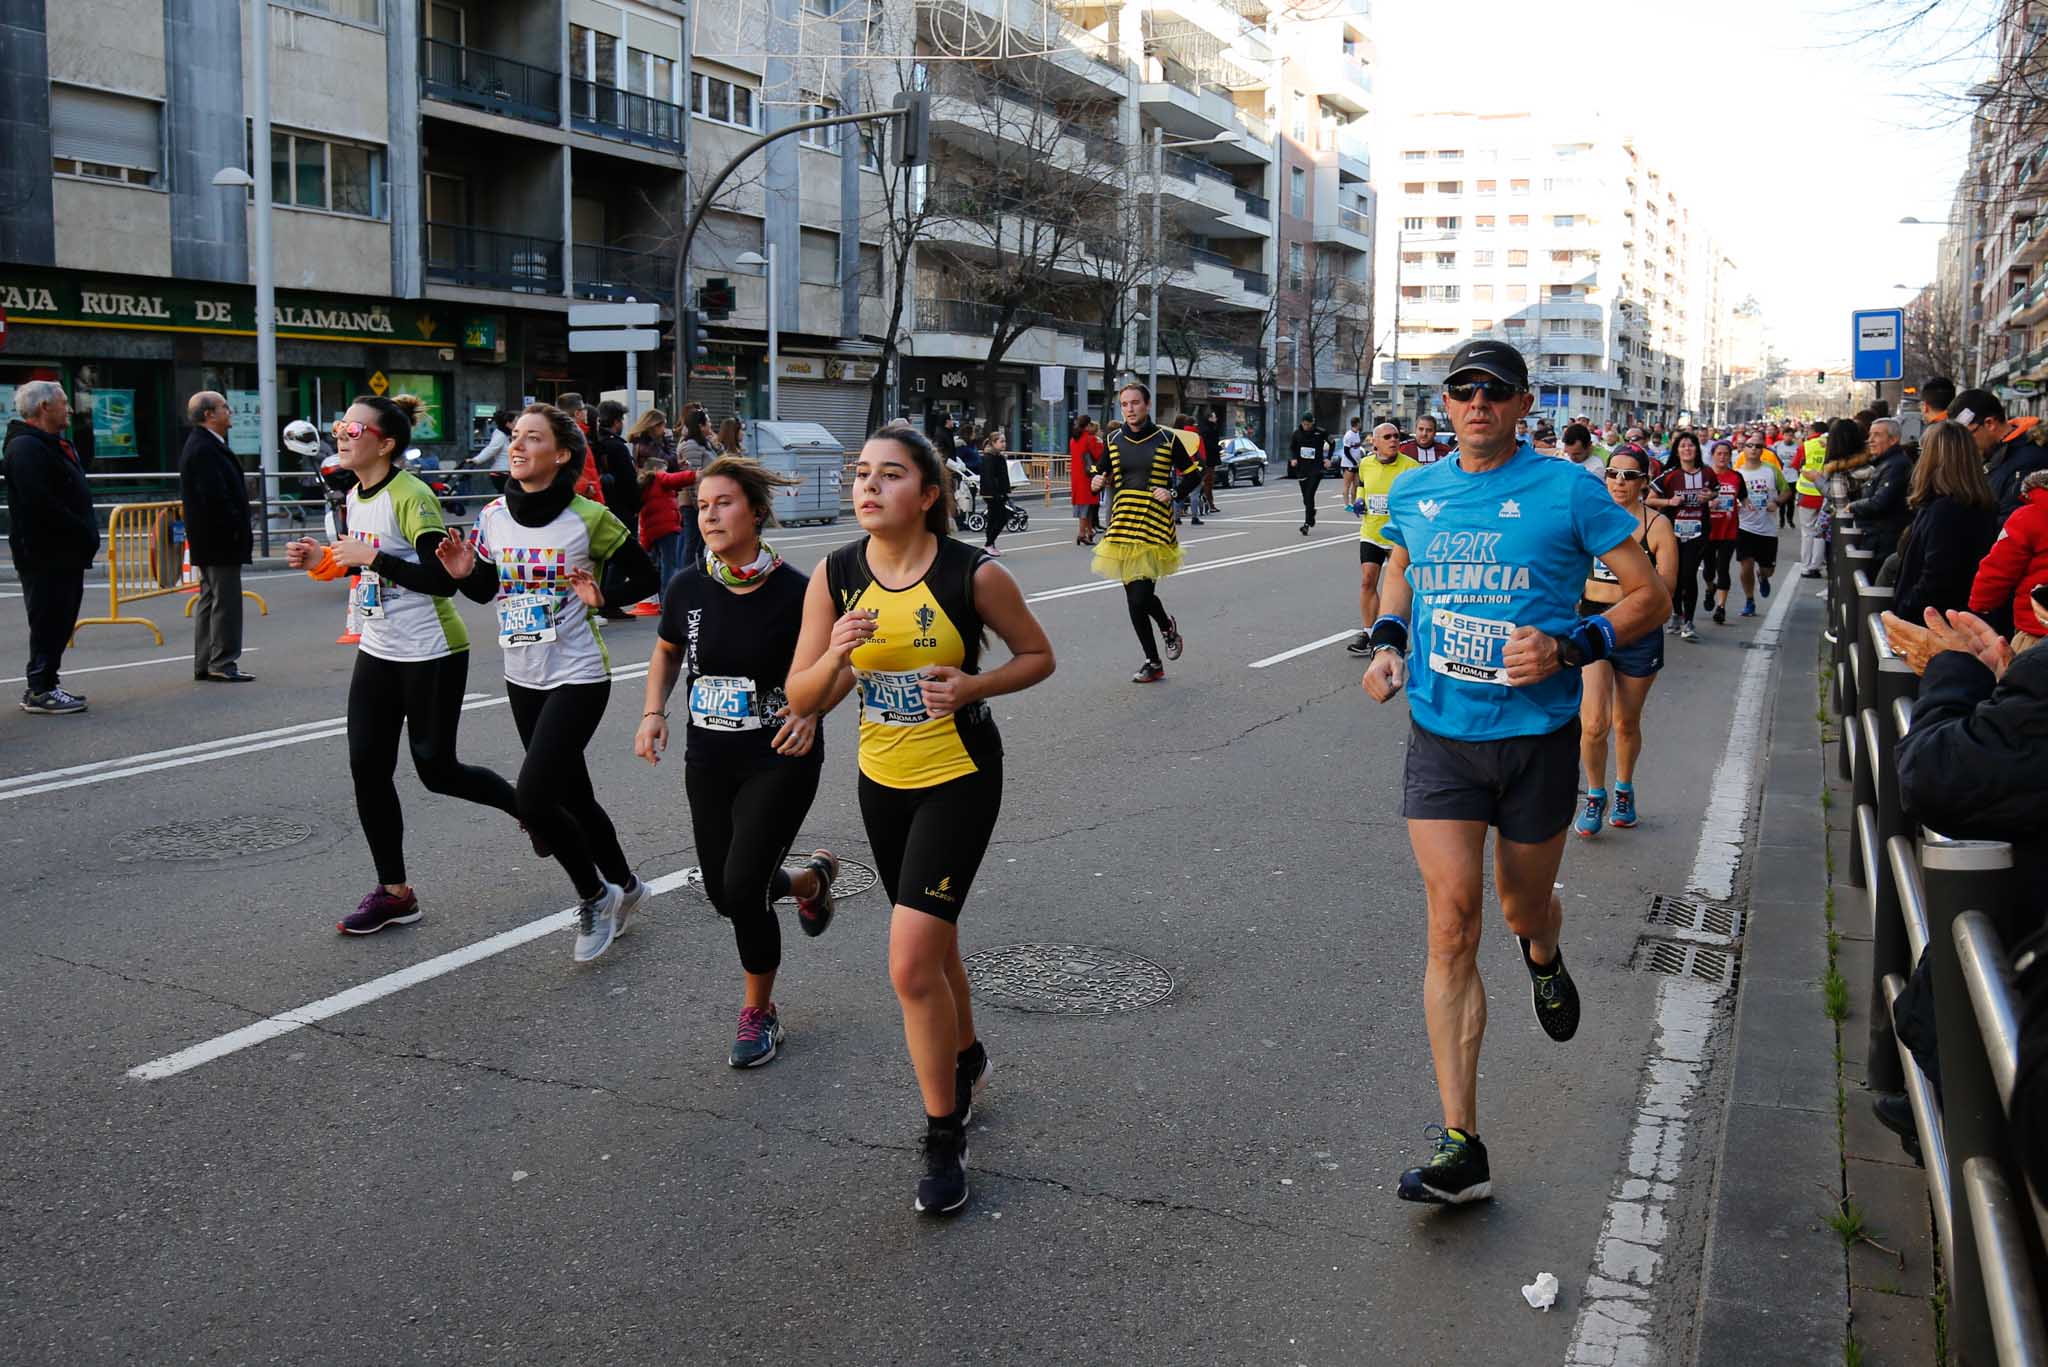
<point>717,394</point>
<point>113,130</point>
<point>841,409</point>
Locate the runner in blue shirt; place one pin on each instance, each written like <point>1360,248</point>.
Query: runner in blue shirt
<point>1490,551</point>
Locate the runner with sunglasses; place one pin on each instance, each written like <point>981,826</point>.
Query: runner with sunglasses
<point>412,663</point>
<point>899,614</point>
<point>1481,592</point>
<point>1618,686</point>
<point>551,559</point>
<point>1682,491</point>
<point>1373,477</point>
<point>1723,520</point>
<point>1765,490</point>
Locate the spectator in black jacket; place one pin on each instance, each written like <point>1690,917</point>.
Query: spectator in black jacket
<point>1308,446</point>
<point>1881,512</point>
<point>52,532</point>
<point>2009,450</point>
<point>1954,524</point>
<point>210,480</point>
<point>615,468</point>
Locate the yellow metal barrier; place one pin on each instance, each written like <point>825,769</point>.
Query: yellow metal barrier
<point>143,562</point>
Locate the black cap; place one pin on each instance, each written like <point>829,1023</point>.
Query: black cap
<point>1498,359</point>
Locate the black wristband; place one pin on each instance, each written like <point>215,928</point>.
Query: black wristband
<point>1389,630</point>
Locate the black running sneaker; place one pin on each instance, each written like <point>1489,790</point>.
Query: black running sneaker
<point>1553,994</point>
<point>1149,672</point>
<point>943,1188</point>
<point>815,913</point>
<point>970,1075</point>
<point>1174,644</point>
<point>1455,1173</point>
<point>1361,644</point>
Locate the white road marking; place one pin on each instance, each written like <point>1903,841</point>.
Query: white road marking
<point>227,747</point>
<point>132,664</point>
<point>1303,650</point>
<point>270,1027</point>
<point>1615,1309</point>
<point>1229,562</point>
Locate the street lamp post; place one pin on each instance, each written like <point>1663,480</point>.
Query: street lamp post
<point>1159,145</point>
<point>261,266</point>
<point>774,344</point>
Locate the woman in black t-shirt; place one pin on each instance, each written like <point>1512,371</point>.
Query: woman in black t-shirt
<point>729,626</point>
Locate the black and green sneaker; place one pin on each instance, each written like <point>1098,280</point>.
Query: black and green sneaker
<point>1455,1173</point>
<point>1553,994</point>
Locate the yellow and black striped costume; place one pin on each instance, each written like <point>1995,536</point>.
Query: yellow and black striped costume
<point>1140,543</point>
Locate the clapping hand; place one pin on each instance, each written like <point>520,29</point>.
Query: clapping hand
<point>1961,631</point>
<point>586,587</point>
<point>354,552</point>
<point>457,557</point>
<point>302,554</point>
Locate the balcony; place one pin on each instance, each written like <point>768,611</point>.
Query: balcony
<point>476,79</point>
<point>481,258</point>
<point>1352,230</point>
<point>2030,305</point>
<point>1342,80</point>
<point>1253,282</point>
<point>618,274</point>
<point>605,111</point>
<point>1186,110</point>
<point>1067,341</point>
<point>1256,206</point>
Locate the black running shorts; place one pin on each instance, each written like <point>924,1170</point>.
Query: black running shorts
<point>1525,786</point>
<point>928,842</point>
<point>1372,553</point>
<point>1758,547</point>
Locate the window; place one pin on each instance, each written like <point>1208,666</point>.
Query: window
<point>1518,187</point>
<point>824,139</point>
<point>362,11</point>
<point>1413,225</point>
<point>1411,292</point>
<point>1294,265</point>
<point>1562,292</point>
<point>106,137</point>
<point>1300,117</point>
<point>1448,225</point>
<point>870,150</point>
<point>315,173</point>
<point>1518,220</point>
<point>1297,192</point>
<point>1450,187</point>
<point>1484,223</point>
<point>1518,294</point>
<point>1488,187</point>
<point>1411,258</point>
<point>1443,294</point>
<point>1515,325</point>
<point>1557,361</point>
<point>1482,259</point>
<point>1518,258</point>
<point>1411,187</point>
<point>1415,154</point>
<point>1558,327</point>
<point>1482,294</point>
<point>1449,154</point>
<point>1446,261</point>
<point>1482,325</point>
<point>725,102</point>
<point>1563,220</point>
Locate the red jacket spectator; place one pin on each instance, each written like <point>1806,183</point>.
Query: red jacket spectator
<point>1083,454</point>
<point>658,514</point>
<point>2018,561</point>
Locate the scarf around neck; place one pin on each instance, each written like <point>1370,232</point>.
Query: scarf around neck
<point>764,560</point>
<point>539,509</point>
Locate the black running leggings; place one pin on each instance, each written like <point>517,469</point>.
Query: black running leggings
<point>1308,495</point>
<point>1142,597</point>
<point>425,698</point>
<point>1719,555</point>
<point>998,512</point>
<point>1685,598</point>
<point>555,798</point>
<point>744,821</point>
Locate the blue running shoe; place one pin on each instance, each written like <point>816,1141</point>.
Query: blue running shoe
<point>1455,1173</point>
<point>1764,584</point>
<point>1588,824</point>
<point>1749,607</point>
<point>759,1038</point>
<point>1624,806</point>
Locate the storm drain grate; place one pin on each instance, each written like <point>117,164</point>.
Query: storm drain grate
<point>1679,959</point>
<point>234,837</point>
<point>1071,978</point>
<point>1702,918</point>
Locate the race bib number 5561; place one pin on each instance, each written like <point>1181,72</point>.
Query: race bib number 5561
<point>1472,649</point>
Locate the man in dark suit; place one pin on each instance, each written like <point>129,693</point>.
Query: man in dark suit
<point>217,528</point>
<point>53,533</point>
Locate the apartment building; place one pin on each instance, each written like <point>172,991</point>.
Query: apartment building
<point>449,177</point>
<point>1552,235</point>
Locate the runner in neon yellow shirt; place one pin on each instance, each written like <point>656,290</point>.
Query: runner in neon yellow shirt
<point>1376,476</point>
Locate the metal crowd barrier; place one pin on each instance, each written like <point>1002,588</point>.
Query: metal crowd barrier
<point>1947,897</point>
<point>145,561</point>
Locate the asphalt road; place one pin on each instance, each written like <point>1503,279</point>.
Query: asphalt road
<point>524,1160</point>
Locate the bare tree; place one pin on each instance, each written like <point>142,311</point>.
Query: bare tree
<point>1934,335</point>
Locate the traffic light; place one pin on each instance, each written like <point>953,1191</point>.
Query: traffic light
<point>1820,377</point>
<point>914,128</point>
<point>717,298</point>
<point>694,353</point>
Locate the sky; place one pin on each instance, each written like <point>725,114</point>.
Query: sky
<point>1796,139</point>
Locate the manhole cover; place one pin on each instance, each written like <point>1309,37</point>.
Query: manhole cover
<point>1081,978</point>
<point>855,878</point>
<point>1679,959</point>
<point>233,837</point>
<point>1679,913</point>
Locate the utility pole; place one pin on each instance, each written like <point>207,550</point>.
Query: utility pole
<point>1394,378</point>
<point>266,269</point>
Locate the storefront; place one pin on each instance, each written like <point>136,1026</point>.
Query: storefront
<point>1236,400</point>
<point>828,391</point>
<point>932,387</point>
<point>130,351</point>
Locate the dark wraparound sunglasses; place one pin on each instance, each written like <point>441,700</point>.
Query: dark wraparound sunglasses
<point>1626,474</point>
<point>1496,391</point>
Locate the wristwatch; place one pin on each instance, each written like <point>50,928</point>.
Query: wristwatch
<point>1569,655</point>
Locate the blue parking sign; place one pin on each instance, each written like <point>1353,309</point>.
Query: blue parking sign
<point>1879,349</point>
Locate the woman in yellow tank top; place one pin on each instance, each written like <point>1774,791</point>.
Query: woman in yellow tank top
<point>897,617</point>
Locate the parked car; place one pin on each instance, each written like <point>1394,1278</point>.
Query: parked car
<point>1242,463</point>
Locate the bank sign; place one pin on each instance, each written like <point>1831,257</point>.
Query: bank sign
<point>57,299</point>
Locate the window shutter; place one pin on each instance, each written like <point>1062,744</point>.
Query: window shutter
<point>116,130</point>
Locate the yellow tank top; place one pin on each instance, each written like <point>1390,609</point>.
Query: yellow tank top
<point>930,622</point>
<point>1374,480</point>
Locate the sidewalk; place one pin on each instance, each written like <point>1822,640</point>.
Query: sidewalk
<point>1809,1186</point>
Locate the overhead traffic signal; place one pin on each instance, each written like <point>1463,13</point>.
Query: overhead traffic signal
<point>717,298</point>
<point>914,127</point>
<point>694,353</point>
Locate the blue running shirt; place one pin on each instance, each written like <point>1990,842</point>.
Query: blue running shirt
<point>1488,553</point>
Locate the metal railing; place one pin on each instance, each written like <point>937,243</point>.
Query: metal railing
<point>484,258</point>
<point>618,273</point>
<point>1258,206</point>
<point>1194,168</point>
<point>484,80</point>
<point>1255,281</point>
<point>1944,897</point>
<point>606,111</point>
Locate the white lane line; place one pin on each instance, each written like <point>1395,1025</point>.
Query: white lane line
<point>1229,562</point>
<point>284,1023</point>
<point>1303,650</point>
<point>132,664</point>
<point>134,766</point>
<point>1613,1323</point>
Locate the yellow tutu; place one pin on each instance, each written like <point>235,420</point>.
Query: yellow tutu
<point>1129,561</point>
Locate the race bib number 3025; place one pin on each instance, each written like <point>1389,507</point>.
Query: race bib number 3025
<point>892,699</point>
<point>723,703</point>
<point>1472,649</point>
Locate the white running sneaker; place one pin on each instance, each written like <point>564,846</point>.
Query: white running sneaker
<point>597,923</point>
<point>630,898</point>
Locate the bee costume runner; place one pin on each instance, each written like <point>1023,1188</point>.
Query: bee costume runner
<point>1141,459</point>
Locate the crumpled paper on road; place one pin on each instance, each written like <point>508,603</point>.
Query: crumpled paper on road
<point>1541,1293</point>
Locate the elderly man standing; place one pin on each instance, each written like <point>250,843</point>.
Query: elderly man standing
<point>52,532</point>
<point>217,529</point>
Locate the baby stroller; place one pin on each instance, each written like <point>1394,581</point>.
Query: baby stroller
<point>967,501</point>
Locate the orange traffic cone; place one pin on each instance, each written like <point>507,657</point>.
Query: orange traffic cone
<point>646,607</point>
<point>188,578</point>
<point>351,629</point>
